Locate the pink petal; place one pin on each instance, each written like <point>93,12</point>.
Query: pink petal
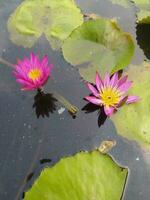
<point>132,99</point>
<point>122,80</point>
<point>93,90</point>
<point>107,80</point>
<point>114,80</point>
<point>26,63</point>
<point>34,60</point>
<point>125,86</point>
<point>24,66</point>
<point>122,101</point>
<point>93,100</point>
<point>24,82</point>
<point>108,110</point>
<point>44,61</point>
<point>98,81</point>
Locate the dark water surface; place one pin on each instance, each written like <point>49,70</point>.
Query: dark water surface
<point>28,143</point>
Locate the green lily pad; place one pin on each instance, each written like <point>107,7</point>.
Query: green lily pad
<point>55,18</point>
<point>85,176</point>
<point>133,121</point>
<point>144,11</point>
<point>100,45</point>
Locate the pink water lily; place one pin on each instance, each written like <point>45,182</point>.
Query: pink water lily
<point>32,73</point>
<point>110,92</point>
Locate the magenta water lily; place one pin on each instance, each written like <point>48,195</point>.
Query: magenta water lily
<point>110,92</point>
<point>32,73</point>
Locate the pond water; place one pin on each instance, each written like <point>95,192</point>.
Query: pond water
<point>28,143</point>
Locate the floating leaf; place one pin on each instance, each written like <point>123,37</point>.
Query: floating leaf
<point>133,121</point>
<point>55,18</point>
<point>100,45</point>
<point>84,176</point>
<point>144,11</point>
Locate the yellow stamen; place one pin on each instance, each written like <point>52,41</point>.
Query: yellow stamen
<point>110,96</point>
<point>34,74</point>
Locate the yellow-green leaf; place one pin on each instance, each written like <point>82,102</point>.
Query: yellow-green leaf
<point>133,121</point>
<point>85,176</point>
<point>55,18</point>
<point>100,45</point>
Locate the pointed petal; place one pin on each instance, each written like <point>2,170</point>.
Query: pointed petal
<point>122,101</point>
<point>124,87</point>
<point>132,99</point>
<point>98,81</point>
<point>93,100</point>
<point>107,80</point>
<point>24,82</point>
<point>34,59</point>
<point>44,61</point>
<point>108,110</point>
<point>114,80</point>
<point>93,90</point>
<point>122,80</point>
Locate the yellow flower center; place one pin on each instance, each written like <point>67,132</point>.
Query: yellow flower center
<point>110,96</point>
<point>34,74</point>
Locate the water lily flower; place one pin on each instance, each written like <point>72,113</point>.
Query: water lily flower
<point>110,92</point>
<point>32,73</point>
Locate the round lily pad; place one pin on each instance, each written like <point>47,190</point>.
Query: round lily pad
<point>85,176</point>
<point>133,121</point>
<point>98,45</point>
<point>55,18</point>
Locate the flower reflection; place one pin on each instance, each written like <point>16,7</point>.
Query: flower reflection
<point>44,104</point>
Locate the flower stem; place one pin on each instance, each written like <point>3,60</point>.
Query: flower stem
<point>71,108</point>
<point>5,62</point>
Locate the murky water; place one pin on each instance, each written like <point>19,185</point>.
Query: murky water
<point>26,139</point>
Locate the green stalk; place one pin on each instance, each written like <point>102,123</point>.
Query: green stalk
<point>71,108</point>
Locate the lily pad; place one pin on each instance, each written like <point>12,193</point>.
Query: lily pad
<point>133,121</point>
<point>84,176</point>
<point>100,45</point>
<point>55,18</point>
<point>144,11</point>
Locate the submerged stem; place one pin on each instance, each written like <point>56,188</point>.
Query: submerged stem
<point>5,62</point>
<point>31,168</point>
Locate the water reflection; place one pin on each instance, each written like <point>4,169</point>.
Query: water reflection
<point>44,103</point>
<point>45,160</point>
<point>89,108</point>
<point>143,39</point>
